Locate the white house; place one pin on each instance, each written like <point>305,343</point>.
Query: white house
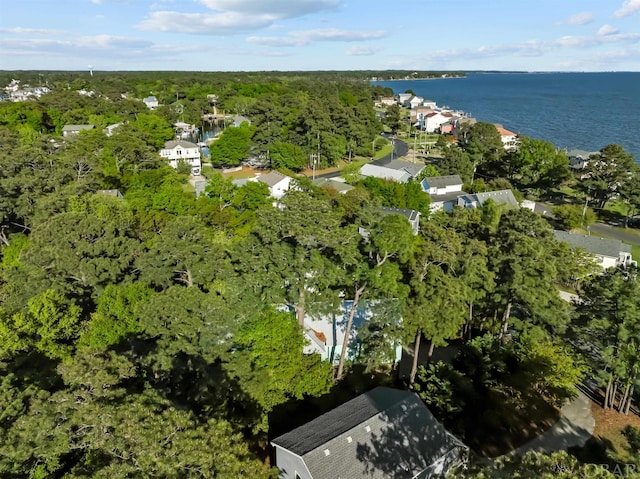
<point>404,98</point>
<point>609,252</point>
<point>176,151</point>
<point>383,433</point>
<point>430,104</point>
<point>388,101</point>
<point>109,129</point>
<point>509,139</point>
<point>416,101</point>
<point>68,130</point>
<point>431,122</point>
<point>440,185</point>
<point>278,183</point>
<point>327,332</point>
<point>151,102</point>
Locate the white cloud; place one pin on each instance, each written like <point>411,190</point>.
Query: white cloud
<point>362,50</point>
<point>227,23</point>
<point>99,2</point>
<point>30,31</point>
<point>278,8</point>
<point>306,37</point>
<point>581,18</point>
<point>629,7</point>
<point>607,30</point>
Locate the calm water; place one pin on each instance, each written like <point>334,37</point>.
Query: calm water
<point>572,110</point>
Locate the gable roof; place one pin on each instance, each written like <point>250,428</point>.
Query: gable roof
<point>384,173</point>
<point>76,127</point>
<point>169,145</point>
<point>504,132</point>
<point>411,215</point>
<point>339,186</point>
<point>581,154</point>
<point>271,179</point>
<point>413,169</point>
<point>443,181</point>
<point>383,433</point>
<point>500,197</point>
<point>594,244</point>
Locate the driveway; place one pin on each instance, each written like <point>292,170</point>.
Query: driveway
<point>611,232</point>
<point>573,429</point>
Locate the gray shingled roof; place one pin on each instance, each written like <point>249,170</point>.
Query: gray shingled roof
<point>271,179</point>
<point>411,215</point>
<point>413,169</point>
<point>594,244</point>
<point>500,197</point>
<point>443,181</point>
<point>451,196</point>
<point>339,186</point>
<point>76,127</point>
<point>184,144</point>
<point>381,434</point>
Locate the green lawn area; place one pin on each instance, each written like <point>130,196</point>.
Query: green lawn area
<point>384,151</point>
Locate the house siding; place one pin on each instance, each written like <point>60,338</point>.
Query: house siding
<point>290,464</point>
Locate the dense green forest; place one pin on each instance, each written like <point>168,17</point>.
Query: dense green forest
<point>144,336</point>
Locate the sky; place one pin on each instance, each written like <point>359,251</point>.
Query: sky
<point>250,35</point>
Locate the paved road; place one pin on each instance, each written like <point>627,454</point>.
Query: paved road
<point>608,230</point>
<point>574,428</point>
<point>400,148</point>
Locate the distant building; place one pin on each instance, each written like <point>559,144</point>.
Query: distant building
<point>578,159</point>
<point>412,215</point>
<point>180,150</point>
<point>69,130</point>
<point>114,193</point>
<point>440,185</point>
<point>110,128</point>
<point>151,102</point>
<point>383,173</point>
<point>330,183</point>
<point>509,139</point>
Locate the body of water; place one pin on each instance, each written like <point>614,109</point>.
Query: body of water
<point>572,110</point>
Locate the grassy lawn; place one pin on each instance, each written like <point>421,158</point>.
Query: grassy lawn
<point>384,151</point>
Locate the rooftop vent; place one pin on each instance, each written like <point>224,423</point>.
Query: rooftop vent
<point>349,439</point>
<point>367,428</point>
<point>327,452</point>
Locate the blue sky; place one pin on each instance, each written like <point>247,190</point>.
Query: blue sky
<point>223,35</point>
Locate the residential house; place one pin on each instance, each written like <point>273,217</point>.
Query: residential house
<point>578,159</point>
<point>440,185</point>
<point>384,173</point>
<point>415,101</point>
<point>431,121</point>
<point>388,101</point>
<point>509,139</point>
<point>448,127</point>
<point>384,433</point>
<point>326,332</point>
<point>68,130</point>
<point>463,121</point>
<point>180,150</point>
<point>333,184</point>
<point>114,193</point>
<point>477,200</point>
<point>239,120</point>
<point>414,169</point>
<point>151,102</point>
<point>609,252</point>
<point>109,129</point>
<point>412,215</point>
<point>403,98</point>
<point>418,113</point>
<point>429,104</point>
<point>278,183</point>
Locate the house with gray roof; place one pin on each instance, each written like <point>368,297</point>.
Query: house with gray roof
<point>476,200</point>
<point>440,185</point>
<point>414,169</point>
<point>384,433</point>
<point>412,215</point>
<point>609,252</point>
<point>68,130</point>
<point>384,173</point>
<point>333,184</point>
<point>278,183</point>
<point>578,159</point>
<point>177,151</point>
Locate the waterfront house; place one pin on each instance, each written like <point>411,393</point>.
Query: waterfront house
<point>180,150</point>
<point>578,159</point>
<point>387,101</point>
<point>381,434</point>
<point>509,139</point>
<point>403,98</point>
<point>110,128</point>
<point>431,121</point>
<point>68,130</point>
<point>418,113</point>
<point>415,101</point>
